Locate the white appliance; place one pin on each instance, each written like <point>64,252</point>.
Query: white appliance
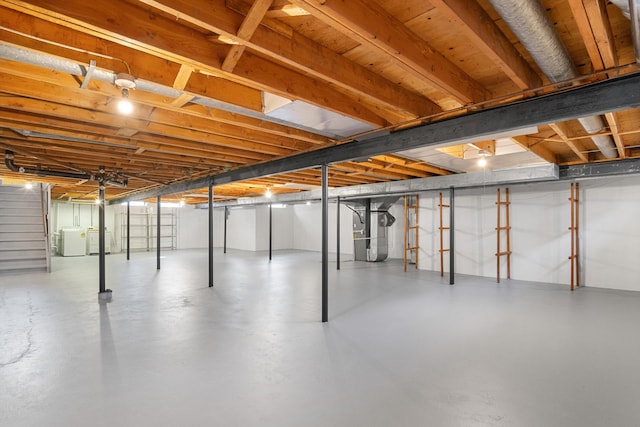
<point>93,241</point>
<point>72,241</point>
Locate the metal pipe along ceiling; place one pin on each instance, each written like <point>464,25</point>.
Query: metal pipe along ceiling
<point>9,163</point>
<point>532,26</point>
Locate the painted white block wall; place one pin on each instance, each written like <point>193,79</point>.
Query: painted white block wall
<point>194,228</point>
<point>540,236</point>
<point>610,242</point>
<point>282,232</point>
<point>307,228</point>
<point>247,228</point>
<point>241,229</point>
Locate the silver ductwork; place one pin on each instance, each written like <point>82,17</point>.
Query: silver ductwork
<point>635,26</point>
<point>371,220</point>
<point>631,9</point>
<point>532,26</point>
<point>50,62</point>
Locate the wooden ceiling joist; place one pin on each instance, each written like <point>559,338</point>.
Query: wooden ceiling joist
<point>419,74</point>
<point>371,25</point>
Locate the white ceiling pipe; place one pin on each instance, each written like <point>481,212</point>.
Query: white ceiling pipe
<point>594,124</point>
<point>532,26</point>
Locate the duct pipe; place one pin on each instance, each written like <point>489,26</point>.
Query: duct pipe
<point>635,26</point>
<point>50,62</point>
<point>69,67</point>
<point>532,26</point>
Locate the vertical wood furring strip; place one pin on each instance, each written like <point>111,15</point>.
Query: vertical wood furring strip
<point>508,201</point>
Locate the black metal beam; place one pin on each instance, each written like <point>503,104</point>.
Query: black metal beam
<point>610,95</point>
<point>602,169</point>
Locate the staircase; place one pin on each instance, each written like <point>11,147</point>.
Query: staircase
<point>23,241</point>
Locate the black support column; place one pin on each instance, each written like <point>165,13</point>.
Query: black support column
<point>128,231</point>
<point>158,232</point>
<point>367,223</point>
<point>270,230</point>
<point>325,243</point>
<point>211,234</point>
<point>452,253</point>
<point>226,215</point>
<point>101,247</point>
<point>338,234</point>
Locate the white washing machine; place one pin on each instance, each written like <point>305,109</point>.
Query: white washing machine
<point>72,241</point>
<point>93,241</point>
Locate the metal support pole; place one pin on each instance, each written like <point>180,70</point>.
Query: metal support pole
<point>101,237</point>
<point>226,215</point>
<point>452,253</point>
<point>367,222</point>
<point>270,230</point>
<point>158,233</point>
<point>338,234</point>
<point>325,243</point>
<point>211,234</point>
<point>128,231</point>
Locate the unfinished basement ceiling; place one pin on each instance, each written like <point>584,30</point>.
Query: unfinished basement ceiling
<point>225,85</point>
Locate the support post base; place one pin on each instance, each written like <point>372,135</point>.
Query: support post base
<point>105,296</point>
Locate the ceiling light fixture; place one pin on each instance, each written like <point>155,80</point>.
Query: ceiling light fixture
<point>97,201</point>
<point>28,185</point>
<point>125,82</point>
<point>267,193</point>
<point>482,161</point>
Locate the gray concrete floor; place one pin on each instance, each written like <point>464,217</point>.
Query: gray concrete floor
<point>401,349</point>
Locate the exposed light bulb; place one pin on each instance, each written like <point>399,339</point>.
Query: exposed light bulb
<point>181,204</point>
<point>124,105</point>
<point>97,201</point>
<point>482,162</point>
<point>308,203</point>
<point>28,185</point>
<point>267,193</point>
